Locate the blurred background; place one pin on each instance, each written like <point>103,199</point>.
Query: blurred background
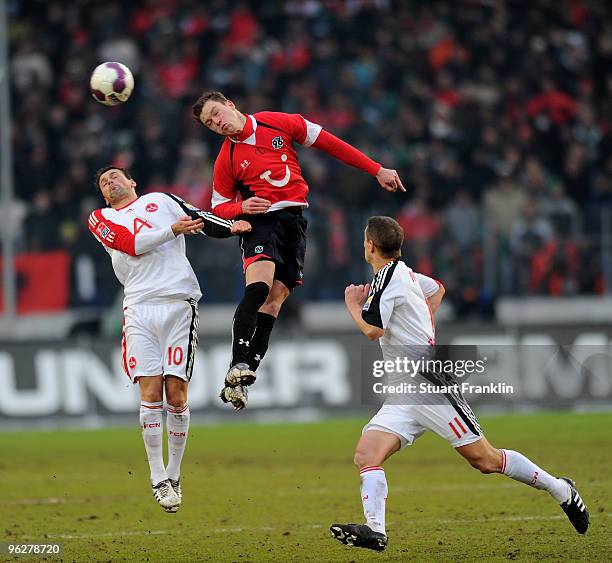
<point>496,113</point>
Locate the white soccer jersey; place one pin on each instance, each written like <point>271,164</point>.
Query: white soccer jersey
<point>148,259</point>
<point>397,302</point>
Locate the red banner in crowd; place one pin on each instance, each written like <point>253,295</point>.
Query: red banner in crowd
<point>42,282</point>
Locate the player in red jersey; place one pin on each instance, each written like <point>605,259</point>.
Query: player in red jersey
<point>257,173</point>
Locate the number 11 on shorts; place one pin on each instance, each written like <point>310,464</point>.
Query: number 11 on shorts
<point>175,355</point>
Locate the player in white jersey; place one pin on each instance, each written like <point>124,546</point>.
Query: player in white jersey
<point>397,309</point>
<point>144,237</point>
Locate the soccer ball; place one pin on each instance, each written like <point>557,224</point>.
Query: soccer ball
<point>111,83</point>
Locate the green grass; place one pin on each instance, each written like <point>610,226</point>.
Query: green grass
<point>269,493</point>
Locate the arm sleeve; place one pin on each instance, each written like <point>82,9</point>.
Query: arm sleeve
<point>224,192</point>
<point>428,285</point>
<point>346,153</point>
<point>310,134</point>
<point>227,210</point>
<point>213,226</point>
<point>119,237</point>
<point>380,302</point>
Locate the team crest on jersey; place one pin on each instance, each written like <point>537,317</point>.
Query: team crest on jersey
<point>258,249</point>
<point>103,231</point>
<point>278,142</point>
<point>152,207</point>
<point>366,305</point>
<point>132,362</point>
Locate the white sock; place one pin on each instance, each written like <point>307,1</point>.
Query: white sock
<point>516,466</point>
<point>178,428</point>
<point>374,496</point>
<point>152,425</point>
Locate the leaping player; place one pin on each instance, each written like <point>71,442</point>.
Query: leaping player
<point>395,309</point>
<point>257,173</point>
<point>144,237</point>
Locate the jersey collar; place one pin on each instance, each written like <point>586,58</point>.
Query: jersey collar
<point>247,135</point>
<point>127,204</point>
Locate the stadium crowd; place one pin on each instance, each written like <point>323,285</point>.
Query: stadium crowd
<point>496,113</point>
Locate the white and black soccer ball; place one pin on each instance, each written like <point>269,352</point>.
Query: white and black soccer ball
<point>111,83</point>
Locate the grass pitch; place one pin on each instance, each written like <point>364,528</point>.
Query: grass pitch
<point>270,492</point>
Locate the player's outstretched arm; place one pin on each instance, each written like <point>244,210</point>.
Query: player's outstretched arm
<point>388,179</point>
<point>210,224</point>
<point>354,298</point>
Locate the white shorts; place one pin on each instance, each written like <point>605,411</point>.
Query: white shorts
<point>457,424</point>
<point>160,339</point>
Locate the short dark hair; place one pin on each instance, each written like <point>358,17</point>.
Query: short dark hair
<point>99,173</point>
<point>215,96</point>
<point>386,234</point>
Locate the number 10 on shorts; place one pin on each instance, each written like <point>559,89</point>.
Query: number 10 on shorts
<point>175,355</point>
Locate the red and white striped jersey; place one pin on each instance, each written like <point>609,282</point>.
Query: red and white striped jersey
<point>398,303</point>
<point>148,259</point>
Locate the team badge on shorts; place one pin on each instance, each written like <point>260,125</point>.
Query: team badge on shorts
<point>132,362</point>
<point>278,143</point>
<point>258,249</point>
<point>152,207</point>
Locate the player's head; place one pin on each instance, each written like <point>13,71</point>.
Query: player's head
<point>383,238</point>
<point>215,111</point>
<point>115,183</point>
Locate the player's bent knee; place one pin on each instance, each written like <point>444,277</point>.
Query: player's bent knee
<point>484,464</point>
<point>152,396</point>
<point>151,389</point>
<point>272,308</point>
<point>176,392</point>
<point>365,457</point>
<point>277,296</point>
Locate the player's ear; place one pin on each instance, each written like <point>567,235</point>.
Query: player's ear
<point>230,104</point>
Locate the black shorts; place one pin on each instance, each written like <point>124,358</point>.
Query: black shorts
<point>279,236</point>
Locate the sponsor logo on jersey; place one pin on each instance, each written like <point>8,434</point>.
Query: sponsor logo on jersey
<point>103,230</point>
<point>244,164</point>
<point>132,362</point>
<point>258,249</point>
<point>278,142</point>
<point>152,207</point>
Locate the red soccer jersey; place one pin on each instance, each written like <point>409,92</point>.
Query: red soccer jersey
<point>261,161</point>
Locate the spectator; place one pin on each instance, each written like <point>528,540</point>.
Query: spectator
<point>479,105</point>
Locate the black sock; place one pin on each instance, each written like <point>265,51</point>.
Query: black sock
<point>245,320</point>
<point>259,342</point>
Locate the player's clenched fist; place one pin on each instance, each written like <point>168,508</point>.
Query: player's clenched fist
<point>187,226</point>
<point>240,227</point>
<point>356,294</point>
<point>255,205</point>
